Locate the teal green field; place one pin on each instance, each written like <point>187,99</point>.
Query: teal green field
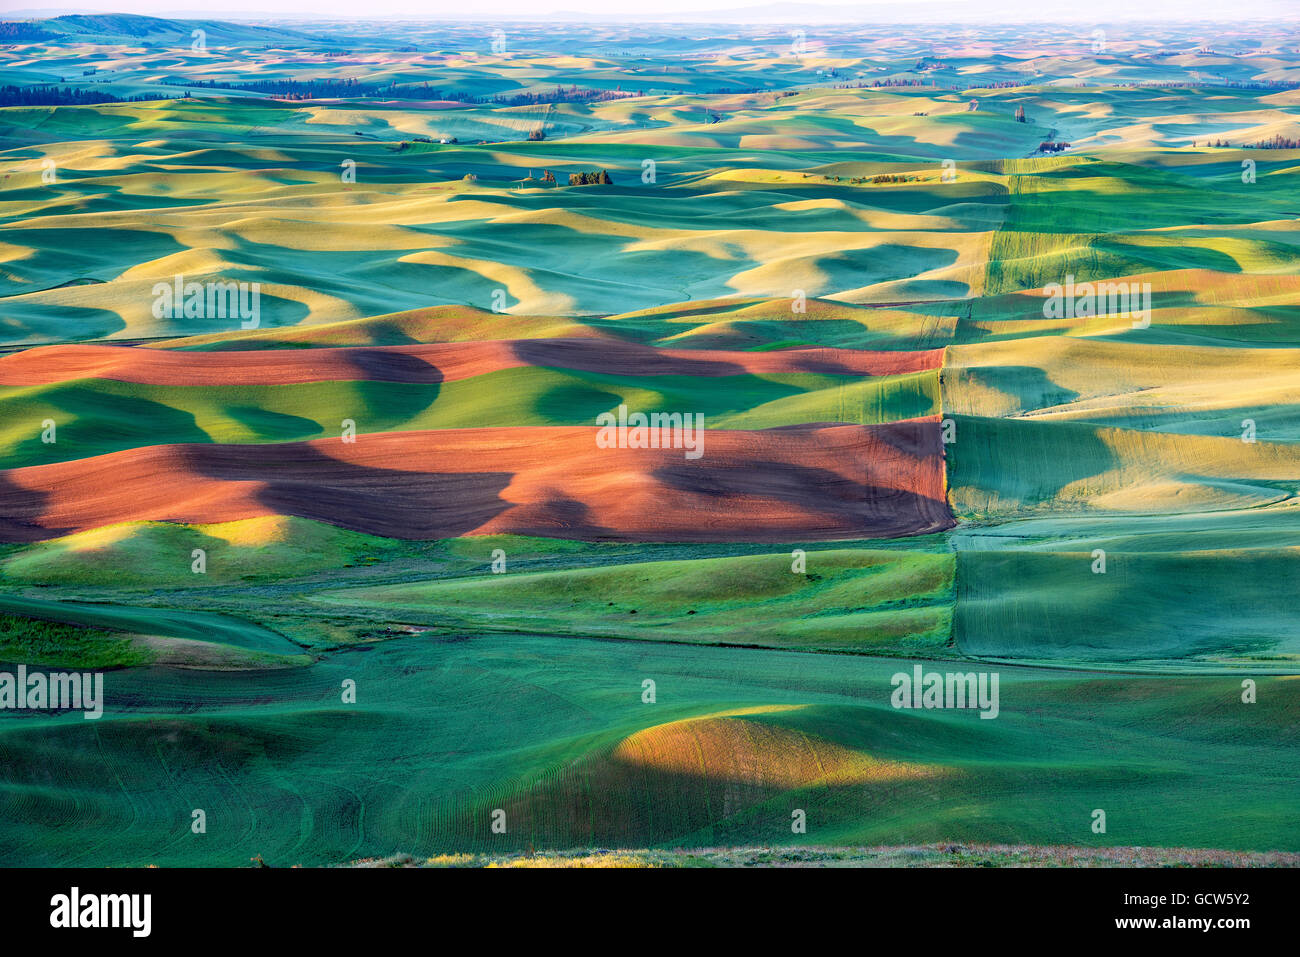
<point>552,731</point>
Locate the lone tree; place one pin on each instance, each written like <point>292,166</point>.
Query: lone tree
<point>537,134</point>
<point>972,106</point>
<point>1020,115</point>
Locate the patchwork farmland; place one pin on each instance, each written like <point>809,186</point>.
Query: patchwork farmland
<point>380,555</point>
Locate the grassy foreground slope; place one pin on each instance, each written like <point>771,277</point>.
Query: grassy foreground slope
<point>864,601</point>
<point>1212,607</point>
<point>737,740</point>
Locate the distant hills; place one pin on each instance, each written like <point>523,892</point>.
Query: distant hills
<point>133,27</point>
<point>872,11</point>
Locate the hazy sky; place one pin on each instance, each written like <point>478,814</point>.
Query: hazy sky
<point>444,9</point>
<point>870,10</point>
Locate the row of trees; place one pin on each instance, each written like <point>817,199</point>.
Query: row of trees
<point>327,88</point>
<point>876,84</point>
<point>1276,142</point>
<point>574,94</point>
<point>1217,84</point>
<point>63,96</point>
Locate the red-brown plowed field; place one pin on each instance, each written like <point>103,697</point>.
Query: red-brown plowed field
<point>435,362</point>
<point>789,484</point>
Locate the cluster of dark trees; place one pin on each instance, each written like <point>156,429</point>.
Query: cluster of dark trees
<point>595,178</point>
<point>63,96</point>
<point>879,178</point>
<point>1163,84</point>
<point>309,89</point>
<point>1020,115</point>
<point>1227,84</point>
<point>1048,147</point>
<point>929,63</point>
<point>874,84</point>
<point>1277,142</point>
<point>574,94</point>
<point>353,89</point>
<point>18,31</point>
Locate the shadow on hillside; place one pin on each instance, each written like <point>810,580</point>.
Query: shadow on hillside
<point>300,479</point>
<point>20,513</point>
